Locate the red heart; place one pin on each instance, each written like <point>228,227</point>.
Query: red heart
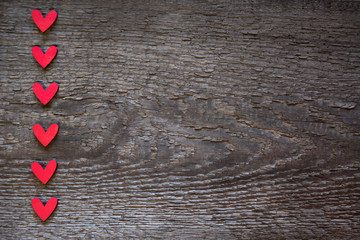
<point>45,137</point>
<point>44,211</point>
<point>45,95</point>
<point>42,174</point>
<point>41,22</point>
<point>44,58</point>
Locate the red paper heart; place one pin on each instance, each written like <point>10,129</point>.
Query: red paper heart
<point>45,137</point>
<point>42,174</point>
<point>44,58</point>
<point>44,211</point>
<point>41,22</point>
<point>45,95</point>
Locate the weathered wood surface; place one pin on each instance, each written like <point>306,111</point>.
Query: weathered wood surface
<point>184,120</point>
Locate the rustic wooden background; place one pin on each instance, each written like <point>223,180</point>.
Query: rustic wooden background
<point>184,120</point>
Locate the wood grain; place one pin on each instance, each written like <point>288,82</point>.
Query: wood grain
<point>184,120</point>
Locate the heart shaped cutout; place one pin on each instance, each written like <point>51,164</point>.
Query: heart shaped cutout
<point>42,174</point>
<point>44,211</point>
<point>45,95</point>
<point>44,23</point>
<point>45,137</point>
<point>42,58</point>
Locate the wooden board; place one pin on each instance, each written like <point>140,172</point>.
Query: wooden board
<point>184,120</point>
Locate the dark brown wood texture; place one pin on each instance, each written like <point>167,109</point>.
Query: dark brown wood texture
<point>184,120</point>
